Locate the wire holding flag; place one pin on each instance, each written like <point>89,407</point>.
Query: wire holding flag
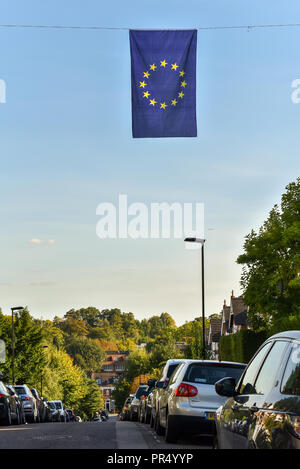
<point>163,83</point>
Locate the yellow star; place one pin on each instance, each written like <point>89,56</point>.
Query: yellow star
<point>175,66</point>
<point>146,74</point>
<point>181,73</point>
<point>142,84</point>
<point>153,67</point>
<point>163,63</point>
<point>181,94</point>
<point>153,102</point>
<point>163,105</point>
<point>183,83</point>
<point>174,102</point>
<point>146,94</point>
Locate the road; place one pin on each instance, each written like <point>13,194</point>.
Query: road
<point>112,434</point>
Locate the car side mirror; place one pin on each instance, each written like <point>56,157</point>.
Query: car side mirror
<point>225,387</point>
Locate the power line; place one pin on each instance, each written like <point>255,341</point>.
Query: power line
<point>201,28</point>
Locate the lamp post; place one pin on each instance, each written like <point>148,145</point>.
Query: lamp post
<point>16,308</point>
<point>201,241</point>
<point>44,346</point>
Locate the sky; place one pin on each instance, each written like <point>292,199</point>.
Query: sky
<point>66,146</point>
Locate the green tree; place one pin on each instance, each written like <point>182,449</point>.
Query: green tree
<point>271,266</point>
<point>86,353</point>
<point>120,393</point>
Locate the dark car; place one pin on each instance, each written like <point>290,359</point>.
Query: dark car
<point>19,402</point>
<point>8,407</point>
<point>263,409</point>
<point>71,416</point>
<point>146,403</point>
<point>40,405</point>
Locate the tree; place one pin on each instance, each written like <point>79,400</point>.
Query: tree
<point>271,266</point>
<point>86,353</point>
<point>120,393</point>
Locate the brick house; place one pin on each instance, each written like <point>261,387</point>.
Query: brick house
<point>112,370</point>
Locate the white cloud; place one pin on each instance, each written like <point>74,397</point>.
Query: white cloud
<point>36,241</point>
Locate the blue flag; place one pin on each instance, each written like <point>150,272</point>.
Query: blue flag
<point>163,83</point>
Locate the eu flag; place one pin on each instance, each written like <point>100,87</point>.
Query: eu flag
<point>163,83</point>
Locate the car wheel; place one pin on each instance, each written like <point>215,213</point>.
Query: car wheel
<point>171,435</point>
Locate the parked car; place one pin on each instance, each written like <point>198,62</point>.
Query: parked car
<point>29,403</point>
<point>71,415</point>
<point>104,415</point>
<point>21,412</point>
<point>8,407</point>
<point>78,419</point>
<point>40,405</point>
<point>54,411</point>
<point>48,412</point>
<point>168,369</point>
<point>124,414</point>
<point>61,409</point>
<point>134,405</point>
<point>189,401</point>
<point>145,406</point>
<point>262,410</point>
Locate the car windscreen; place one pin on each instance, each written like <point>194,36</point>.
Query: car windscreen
<point>140,392</point>
<point>171,369</point>
<point>211,373</point>
<point>52,405</point>
<point>58,405</point>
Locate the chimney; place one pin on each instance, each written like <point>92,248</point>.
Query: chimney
<point>232,294</point>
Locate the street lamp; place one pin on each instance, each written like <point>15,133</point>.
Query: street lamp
<point>16,308</point>
<point>201,241</point>
<point>44,346</point>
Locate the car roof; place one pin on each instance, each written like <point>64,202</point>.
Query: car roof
<point>286,335</point>
<point>216,362</point>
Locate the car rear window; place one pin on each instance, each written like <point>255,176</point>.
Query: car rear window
<point>210,373</point>
<point>20,390</point>
<point>140,392</point>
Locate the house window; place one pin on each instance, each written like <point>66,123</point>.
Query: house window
<point>108,368</point>
<point>120,367</point>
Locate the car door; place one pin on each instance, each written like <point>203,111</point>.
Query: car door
<point>251,406</point>
<point>232,411</point>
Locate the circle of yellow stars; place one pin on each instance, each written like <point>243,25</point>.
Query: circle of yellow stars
<point>146,94</point>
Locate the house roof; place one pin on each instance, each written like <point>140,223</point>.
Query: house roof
<point>237,305</point>
<point>215,329</point>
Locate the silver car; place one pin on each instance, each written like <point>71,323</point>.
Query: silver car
<point>189,401</point>
<point>29,403</point>
<point>160,385</point>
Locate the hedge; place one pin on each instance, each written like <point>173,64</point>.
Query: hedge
<point>241,346</point>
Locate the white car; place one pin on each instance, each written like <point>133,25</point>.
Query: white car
<point>189,401</point>
<point>62,411</point>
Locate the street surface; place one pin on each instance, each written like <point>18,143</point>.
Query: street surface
<point>112,434</point>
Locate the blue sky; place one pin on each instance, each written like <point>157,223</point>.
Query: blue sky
<point>66,146</point>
